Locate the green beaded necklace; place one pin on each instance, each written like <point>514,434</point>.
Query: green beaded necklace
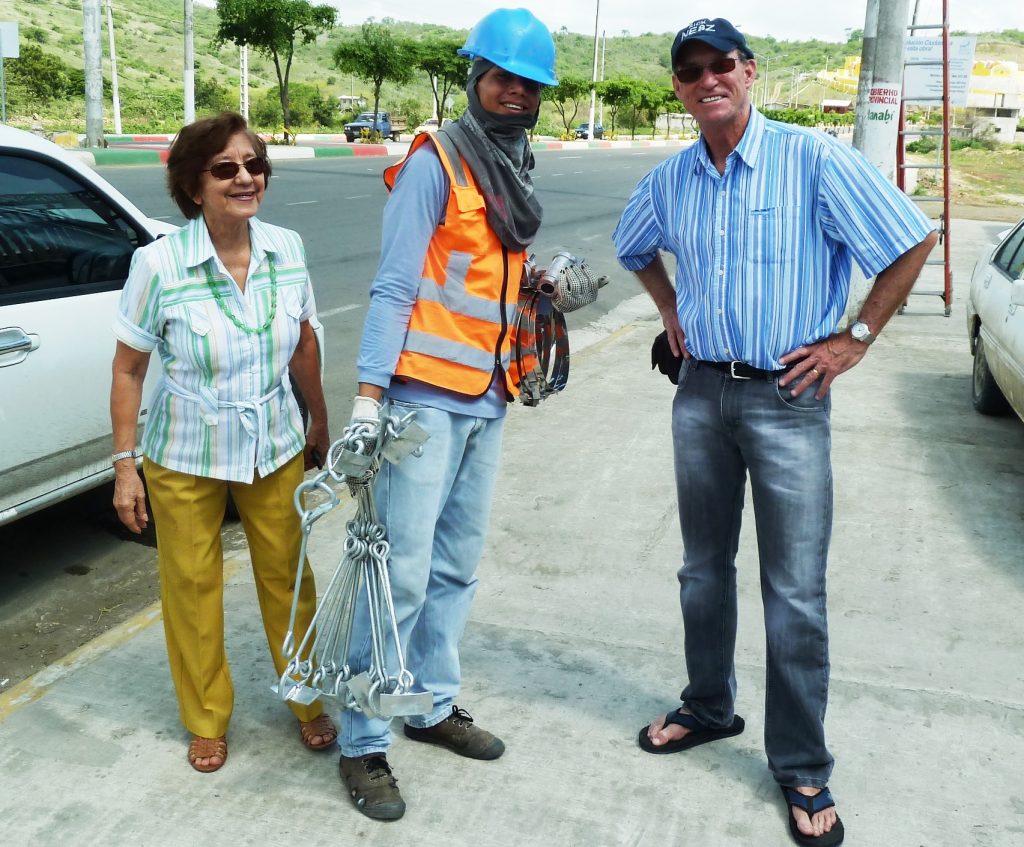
<point>231,316</point>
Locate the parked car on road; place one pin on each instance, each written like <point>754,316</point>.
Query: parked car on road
<point>66,241</point>
<point>995,325</point>
<point>382,123</point>
<point>583,131</point>
<point>430,125</point>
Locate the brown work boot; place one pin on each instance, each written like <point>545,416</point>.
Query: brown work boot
<point>458,733</point>
<point>372,786</point>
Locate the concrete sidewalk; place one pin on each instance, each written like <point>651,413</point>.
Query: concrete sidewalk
<point>575,643</point>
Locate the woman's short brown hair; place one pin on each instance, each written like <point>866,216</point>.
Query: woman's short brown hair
<point>192,149</point>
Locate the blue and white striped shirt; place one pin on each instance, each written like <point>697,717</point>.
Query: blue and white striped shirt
<point>763,251</point>
<point>223,407</point>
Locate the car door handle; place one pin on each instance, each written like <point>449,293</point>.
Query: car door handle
<point>16,344</point>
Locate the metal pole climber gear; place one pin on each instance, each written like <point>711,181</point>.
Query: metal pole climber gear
<point>540,335</point>
<point>317,665</point>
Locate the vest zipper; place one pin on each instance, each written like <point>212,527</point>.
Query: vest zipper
<point>499,371</point>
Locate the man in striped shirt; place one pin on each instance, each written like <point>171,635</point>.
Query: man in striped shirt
<point>763,219</point>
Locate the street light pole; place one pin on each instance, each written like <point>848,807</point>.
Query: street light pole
<point>593,87</point>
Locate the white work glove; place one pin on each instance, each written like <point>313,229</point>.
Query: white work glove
<point>365,420</point>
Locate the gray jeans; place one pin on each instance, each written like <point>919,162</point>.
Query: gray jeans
<point>723,428</point>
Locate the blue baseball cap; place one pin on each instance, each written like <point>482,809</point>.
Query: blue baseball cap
<point>715,32</point>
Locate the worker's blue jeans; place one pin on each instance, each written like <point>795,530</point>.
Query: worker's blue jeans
<point>436,509</point>
<point>723,428</point>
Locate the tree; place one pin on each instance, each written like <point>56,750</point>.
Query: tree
<point>43,76</point>
<point>376,55</point>
<point>272,27</point>
<point>615,93</point>
<point>570,89</point>
<point>445,67</point>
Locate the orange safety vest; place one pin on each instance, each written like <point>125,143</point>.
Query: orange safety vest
<point>460,332</point>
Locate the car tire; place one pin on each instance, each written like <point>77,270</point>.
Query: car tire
<point>985,394</point>
<point>349,138</point>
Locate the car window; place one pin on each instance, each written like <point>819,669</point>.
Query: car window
<point>58,236</point>
<point>1010,257</point>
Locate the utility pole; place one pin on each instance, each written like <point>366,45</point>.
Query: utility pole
<point>878,119</point>
<point>867,70</point>
<point>190,67</point>
<point>243,81</point>
<point>113,68</point>
<point>93,55</point>
<point>593,87</point>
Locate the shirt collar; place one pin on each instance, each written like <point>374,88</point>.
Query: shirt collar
<point>748,149</point>
<point>200,247</point>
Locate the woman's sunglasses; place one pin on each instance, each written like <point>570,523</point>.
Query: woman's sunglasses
<point>691,73</point>
<point>229,170</point>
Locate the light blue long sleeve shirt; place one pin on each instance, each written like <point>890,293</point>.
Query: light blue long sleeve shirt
<point>415,209</point>
<point>763,251</point>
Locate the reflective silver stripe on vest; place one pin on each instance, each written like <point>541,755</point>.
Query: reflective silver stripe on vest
<point>452,295</point>
<point>453,351</point>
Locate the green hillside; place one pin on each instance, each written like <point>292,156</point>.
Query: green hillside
<point>149,57</point>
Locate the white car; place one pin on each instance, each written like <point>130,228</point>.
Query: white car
<point>430,125</point>
<point>995,325</point>
<point>66,241</point>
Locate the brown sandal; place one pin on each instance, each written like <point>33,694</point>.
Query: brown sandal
<point>207,748</point>
<point>320,725</point>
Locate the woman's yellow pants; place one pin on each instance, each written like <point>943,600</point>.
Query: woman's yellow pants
<point>188,512</point>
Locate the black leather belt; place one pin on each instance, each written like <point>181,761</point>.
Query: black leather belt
<point>741,370</point>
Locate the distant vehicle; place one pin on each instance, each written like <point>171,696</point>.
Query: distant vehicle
<point>583,131</point>
<point>66,242</point>
<point>430,125</point>
<point>383,124</point>
<point>995,325</point>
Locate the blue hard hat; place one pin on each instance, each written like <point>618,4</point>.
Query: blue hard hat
<point>515,40</point>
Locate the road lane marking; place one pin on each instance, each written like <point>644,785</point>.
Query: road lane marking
<point>302,203</point>
<point>328,313</point>
<point>570,157</point>
<point>358,197</point>
<point>557,174</point>
<point>590,237</point>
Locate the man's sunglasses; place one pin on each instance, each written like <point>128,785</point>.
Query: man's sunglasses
<point>229,170</point>
<point>691,73</point>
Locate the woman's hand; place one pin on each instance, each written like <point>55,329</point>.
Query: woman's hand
<point>318,443</point>
<point>130,497</point>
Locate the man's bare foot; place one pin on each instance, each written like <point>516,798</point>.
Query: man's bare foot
<point>819,823</point>
<point>660,734</point>
<point>813,820</point>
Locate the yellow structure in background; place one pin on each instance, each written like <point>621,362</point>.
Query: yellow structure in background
<point>994,94</point>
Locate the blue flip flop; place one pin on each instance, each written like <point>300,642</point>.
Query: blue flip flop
<point>699,733</point>
<point>812,805</point>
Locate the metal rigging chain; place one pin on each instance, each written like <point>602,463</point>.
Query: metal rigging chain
<point>313,668</point>
<point>541,337</point>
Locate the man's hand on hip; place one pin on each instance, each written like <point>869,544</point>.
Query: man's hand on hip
<point>824,360</point>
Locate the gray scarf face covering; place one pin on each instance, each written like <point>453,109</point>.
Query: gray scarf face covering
<point>498,153</point>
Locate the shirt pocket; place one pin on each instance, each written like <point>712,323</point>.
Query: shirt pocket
<point>772,234</point>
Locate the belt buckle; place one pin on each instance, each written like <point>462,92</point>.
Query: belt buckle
<point>732,371</point>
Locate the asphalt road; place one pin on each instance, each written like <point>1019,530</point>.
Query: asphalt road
<point>70,572</point>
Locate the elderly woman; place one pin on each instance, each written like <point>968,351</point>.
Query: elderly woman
<point>436,340</point>
<point>227,302</point>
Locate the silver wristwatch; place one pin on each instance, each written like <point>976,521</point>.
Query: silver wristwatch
<point>861,332</point>
<point>124,454</point>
